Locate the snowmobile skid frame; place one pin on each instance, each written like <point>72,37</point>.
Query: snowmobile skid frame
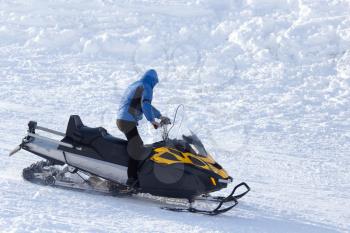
<point>44,173</point>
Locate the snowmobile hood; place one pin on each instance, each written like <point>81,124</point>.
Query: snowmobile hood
<point>169,156</point>
<point>150,78</point>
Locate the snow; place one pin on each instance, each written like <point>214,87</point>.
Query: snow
<point>265,84</point>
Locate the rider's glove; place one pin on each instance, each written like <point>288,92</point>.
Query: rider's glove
<point>155,124</point>
<point>165,120</point>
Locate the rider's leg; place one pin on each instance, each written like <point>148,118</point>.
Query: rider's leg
<point>135,147</point>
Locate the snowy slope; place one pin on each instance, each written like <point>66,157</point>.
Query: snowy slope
<point>265,84</point>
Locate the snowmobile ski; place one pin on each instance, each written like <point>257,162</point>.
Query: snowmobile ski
<point>232,199</point>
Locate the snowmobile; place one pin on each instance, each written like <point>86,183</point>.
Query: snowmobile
<point>174,168</point>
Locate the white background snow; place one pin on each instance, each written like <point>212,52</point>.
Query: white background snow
<point>265,84</point>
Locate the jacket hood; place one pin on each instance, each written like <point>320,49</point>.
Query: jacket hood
<point>150,78</point>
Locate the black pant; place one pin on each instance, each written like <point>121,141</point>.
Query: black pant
<point>135,146</point>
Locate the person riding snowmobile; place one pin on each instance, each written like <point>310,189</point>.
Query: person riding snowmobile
<point>136,102</point>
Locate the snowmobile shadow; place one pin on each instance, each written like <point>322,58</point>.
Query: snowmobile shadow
<point>240,220</point>
<point>235,223</point>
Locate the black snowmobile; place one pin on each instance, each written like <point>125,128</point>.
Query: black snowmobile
<point>174,168</point>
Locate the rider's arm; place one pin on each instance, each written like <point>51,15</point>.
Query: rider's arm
<point>148,110</point>
<point>156,112</point>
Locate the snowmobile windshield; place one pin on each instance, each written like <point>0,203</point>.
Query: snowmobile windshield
<point>195,143</point>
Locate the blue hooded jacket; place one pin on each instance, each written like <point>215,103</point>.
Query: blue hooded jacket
<point>137,99</point>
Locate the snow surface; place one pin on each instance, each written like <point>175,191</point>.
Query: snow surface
<point>265,84</point>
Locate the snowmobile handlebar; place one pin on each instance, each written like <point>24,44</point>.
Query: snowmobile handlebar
<point>165,121</point>
<point>162,124</point>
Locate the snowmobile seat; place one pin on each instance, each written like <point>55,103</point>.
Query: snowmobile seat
<point>80,133</point>
<point>114,140</point>
<point>77,131</point>
<point>97,142</point>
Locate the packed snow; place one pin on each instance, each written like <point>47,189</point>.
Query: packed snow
<point>265,84</point>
